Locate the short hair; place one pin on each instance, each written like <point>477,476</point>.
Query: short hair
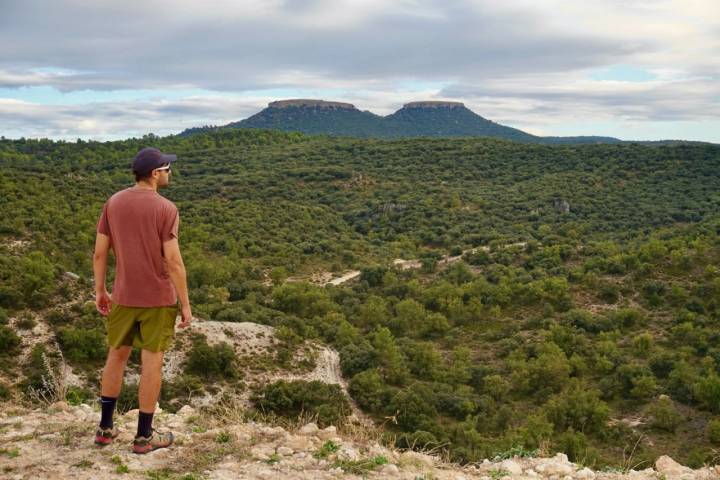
<point>142,176</point>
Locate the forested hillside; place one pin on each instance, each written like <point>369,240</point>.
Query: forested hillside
<point>582,317</point>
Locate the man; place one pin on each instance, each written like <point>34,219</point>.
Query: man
<point>141,227</point>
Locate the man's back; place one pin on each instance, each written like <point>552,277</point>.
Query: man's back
<point>138,221</point>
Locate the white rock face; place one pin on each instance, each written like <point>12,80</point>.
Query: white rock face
<point>512,467</point>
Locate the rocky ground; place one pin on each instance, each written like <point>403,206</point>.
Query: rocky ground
<point>56,442</point>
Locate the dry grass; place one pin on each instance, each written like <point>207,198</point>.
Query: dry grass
<point>54,384</point>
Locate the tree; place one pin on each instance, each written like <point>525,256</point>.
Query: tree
<point>389,357</point>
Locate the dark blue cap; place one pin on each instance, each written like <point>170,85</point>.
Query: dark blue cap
<point>148,159</point>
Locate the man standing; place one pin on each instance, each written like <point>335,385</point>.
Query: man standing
<point>141,227</point>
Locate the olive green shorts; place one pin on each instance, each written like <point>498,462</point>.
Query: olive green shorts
<point>146,328</point>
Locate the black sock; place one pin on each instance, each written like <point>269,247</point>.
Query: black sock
<point>108,409</point>
<point>144,424</point>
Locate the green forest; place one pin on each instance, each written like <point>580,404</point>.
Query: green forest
<point>582,316</point>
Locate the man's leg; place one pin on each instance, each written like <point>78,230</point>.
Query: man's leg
<point>114,371</point>
<point>156,329</point>
<point>112,379</point>
<point>150,382</point>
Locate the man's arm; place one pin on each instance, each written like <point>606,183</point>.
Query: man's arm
<point>102,297</point>
<point>176,269</point>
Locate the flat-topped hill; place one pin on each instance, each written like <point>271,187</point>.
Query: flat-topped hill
<point>309,103</point>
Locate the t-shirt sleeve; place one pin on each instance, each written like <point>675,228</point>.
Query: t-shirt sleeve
<point>171,229</point>
<point>103,225</point>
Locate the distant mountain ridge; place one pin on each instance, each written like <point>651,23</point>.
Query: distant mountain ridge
<point>414,119</point>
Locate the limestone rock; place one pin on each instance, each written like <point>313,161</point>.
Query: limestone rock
<point>585,474</point>
<point>389,469</point>
<point>328,432</point>
<point>261,452</point>
<point>285,451</point>
<point>671,469</point>
<point>299,443</point>
<point>348,453</point>
<point>512,467</point>
<point>309,429</point>
<point>186,411</point>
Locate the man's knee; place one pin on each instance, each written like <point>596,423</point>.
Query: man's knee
<point>152,360</point>
<point>119,355</point>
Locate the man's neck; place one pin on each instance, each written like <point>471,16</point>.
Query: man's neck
<point>146,186</point>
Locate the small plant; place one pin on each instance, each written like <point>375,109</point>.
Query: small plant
<point>498,473</point>
<point>9,452</point>
<point>326,449</point>
<point>163,474</point>
<point>360,467</point>
<point>223,437</point>
<point>273,459</point>
<point>26,322</point>
<point>85,463</point>
<point>517,451</point>
<point>54,382</point>
<point>121,467</point>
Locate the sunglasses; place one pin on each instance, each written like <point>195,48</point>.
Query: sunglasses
<point>166,167</point>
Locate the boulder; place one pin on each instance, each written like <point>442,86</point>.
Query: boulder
<point>512,467</point>
<point>671,469</point>
<point>309,429</point>
<point>585,474</point>
<point>389,469</point>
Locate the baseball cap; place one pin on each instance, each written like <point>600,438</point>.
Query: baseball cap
<point>148,159</point>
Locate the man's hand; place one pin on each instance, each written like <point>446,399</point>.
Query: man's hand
<point>103,302</point>
<point>186,316</point>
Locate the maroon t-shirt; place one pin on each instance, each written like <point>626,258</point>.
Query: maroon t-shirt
<point>138,221</point>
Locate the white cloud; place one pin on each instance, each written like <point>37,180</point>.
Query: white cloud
<point>525,63</point>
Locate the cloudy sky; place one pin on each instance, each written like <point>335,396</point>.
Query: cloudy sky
<point>633,69</point>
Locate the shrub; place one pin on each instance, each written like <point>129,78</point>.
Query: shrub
<point>356,358</point>
<point>608,292</point>
<point>707,392</point>
<point>179,391</point>
<point>292,399</point>
<point>626,317</point>
<point>665,415</point>
<point>578,407</point>
<point>713,431</point>
<point>574,445</point>
<point>4,392</point>
<point>419,440</point>
<point>413,408</point>
<point>587,321</point>
<point>81,345</point>
<point>78,395</point>
<point>370,391</point>
<point>9,340</point>
<point>211,362</point>
<point>26,322</point>
<point>642,344</point>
